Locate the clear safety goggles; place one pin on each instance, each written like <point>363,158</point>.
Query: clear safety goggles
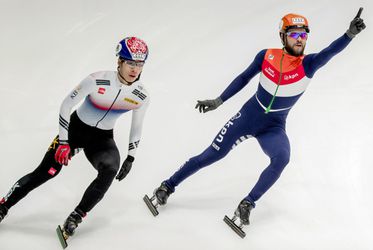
<point>134,63</point>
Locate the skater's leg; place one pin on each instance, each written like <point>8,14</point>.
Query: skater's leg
<point>105,158</point>
<point>3,211</point>
<point>207,157</point>
<point>234,131</point>
<point>275,144</point>
<point>47,169</point>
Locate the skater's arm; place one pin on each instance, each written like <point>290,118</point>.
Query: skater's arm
<point>242,80</point>
<point>136,127</point>
<point>135,136</point>
<point>73,98</point>
<point>313,62</point>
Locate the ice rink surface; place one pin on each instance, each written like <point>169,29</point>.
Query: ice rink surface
<point>323,199</point>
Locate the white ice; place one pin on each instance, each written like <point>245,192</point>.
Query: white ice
<point>323,199</point>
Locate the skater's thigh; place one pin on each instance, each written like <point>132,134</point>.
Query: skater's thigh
<point>274,142</point>
<point>236,130</point>
<point>47,169</point>
<point>49,164</point>
<point>103,154</point>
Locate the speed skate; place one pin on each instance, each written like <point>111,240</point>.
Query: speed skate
<point>236,228</point>
<point>152,206</point>
<point>62,236</point>
<point>159,198</point>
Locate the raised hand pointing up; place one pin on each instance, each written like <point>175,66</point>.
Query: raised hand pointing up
<point>356,25</point>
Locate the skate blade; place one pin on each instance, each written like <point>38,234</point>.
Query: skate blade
<point>62,237</point>
<point>150,205</point>
<point>234,227</point>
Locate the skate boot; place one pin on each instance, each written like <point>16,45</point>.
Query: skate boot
<point>3,212</point>
<point>162,193</point>
<point>71,223</point>
<point>242,213</point>
<point>69,227</point>
<point>160,197</point>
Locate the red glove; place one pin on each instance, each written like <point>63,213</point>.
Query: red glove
<point>63,155</point>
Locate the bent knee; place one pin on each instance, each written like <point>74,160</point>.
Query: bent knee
<point>282,158</point>
<point>108,166</point>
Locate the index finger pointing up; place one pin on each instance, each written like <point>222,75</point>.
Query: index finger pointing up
<point>359,12</point>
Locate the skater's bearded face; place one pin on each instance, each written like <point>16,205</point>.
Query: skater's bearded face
<point>129,70</point>
<point>295,41</point>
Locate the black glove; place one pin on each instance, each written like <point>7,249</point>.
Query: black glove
<point>125,169</point>
<point>208,105</point>
<point>356,25</point>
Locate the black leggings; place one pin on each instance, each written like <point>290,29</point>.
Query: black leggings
<point>99,148</point>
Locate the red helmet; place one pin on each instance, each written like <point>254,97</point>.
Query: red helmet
<point>292,21</point>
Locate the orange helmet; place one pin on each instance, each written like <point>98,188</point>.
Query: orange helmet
<point>291,21</point>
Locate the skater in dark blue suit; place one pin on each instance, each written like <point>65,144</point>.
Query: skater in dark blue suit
<point>284,76</point>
